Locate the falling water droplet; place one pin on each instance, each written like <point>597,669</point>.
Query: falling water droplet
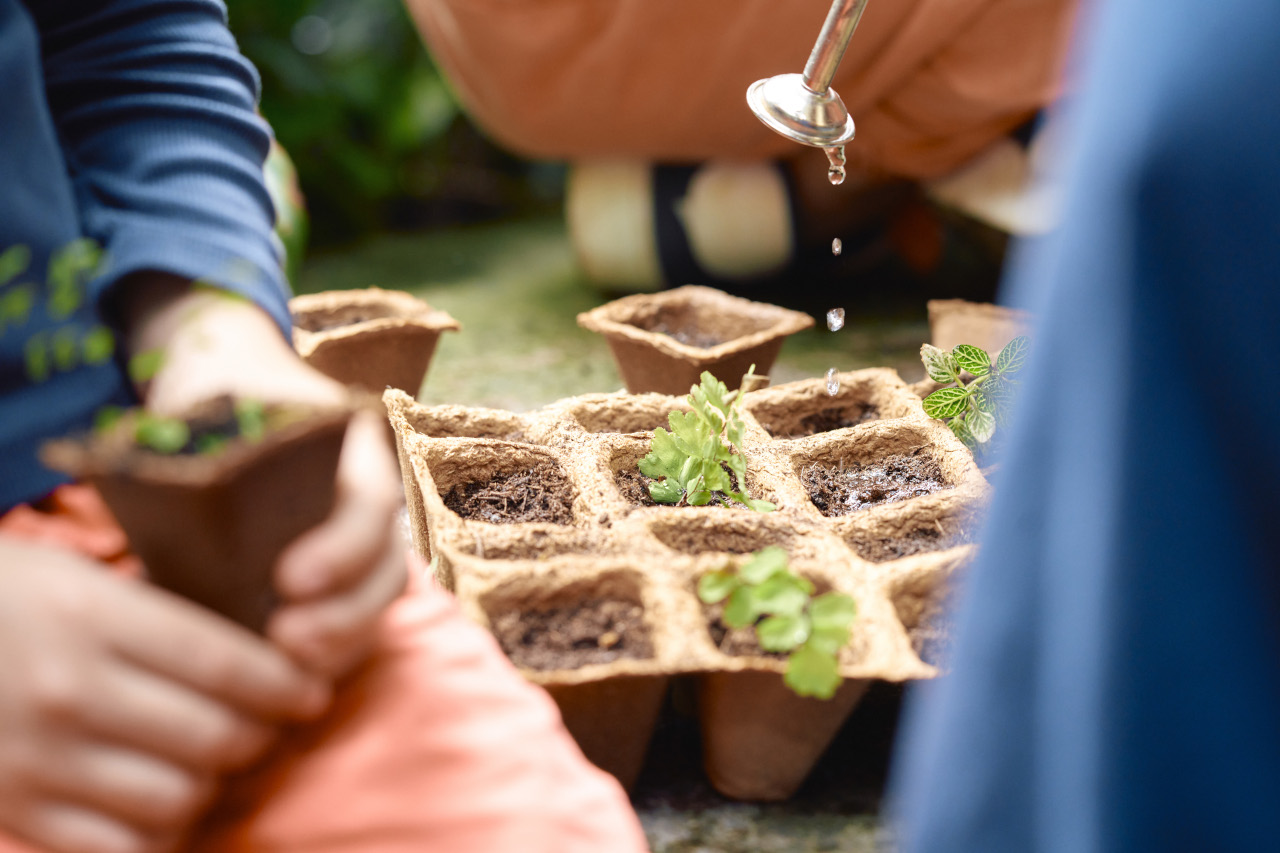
<point>835,319</point>
<point>836,246</point>
<point>835,156</point>
<point>833,382</point>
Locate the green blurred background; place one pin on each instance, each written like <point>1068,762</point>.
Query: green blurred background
<point>377,137</point>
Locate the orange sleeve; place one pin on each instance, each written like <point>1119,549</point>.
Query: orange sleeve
<point>929,82</point>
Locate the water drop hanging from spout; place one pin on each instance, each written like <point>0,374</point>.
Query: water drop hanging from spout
<point>835,156</point>
<point>836,246</point>
<point>835,319</point>
<point>833,382</point>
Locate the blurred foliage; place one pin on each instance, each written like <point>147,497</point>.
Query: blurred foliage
<point>377,137</point>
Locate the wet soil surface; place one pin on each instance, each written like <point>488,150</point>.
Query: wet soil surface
<point>337,320</point>
<point>922,540</point>
<point>855,486</point>
<point>599,631</point>
<point>826,420</point>
<point>540,493</point>
<point>634,487</point>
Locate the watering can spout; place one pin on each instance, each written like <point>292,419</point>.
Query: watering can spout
<point>804,107</point>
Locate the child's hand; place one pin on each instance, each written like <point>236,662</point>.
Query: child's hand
<point>123,704</point>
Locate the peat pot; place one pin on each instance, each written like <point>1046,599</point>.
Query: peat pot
<point>210,525</point>
<point>662,342</point>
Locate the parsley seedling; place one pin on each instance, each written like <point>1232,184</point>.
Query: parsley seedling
<point>686,462</point>
<point>973,411</point>
<point>763,593</point>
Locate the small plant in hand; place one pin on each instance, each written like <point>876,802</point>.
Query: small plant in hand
<point>763,593</point>
<point>244,420</point>
<point>689,463</point>
<point>973,411</point>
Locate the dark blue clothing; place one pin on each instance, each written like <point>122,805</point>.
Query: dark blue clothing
<point>1116,682</point>
<point>131,123</point>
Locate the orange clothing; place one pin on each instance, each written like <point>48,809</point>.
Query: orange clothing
<point>437,743</point>
<point>929,83</point>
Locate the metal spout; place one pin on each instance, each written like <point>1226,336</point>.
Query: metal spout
<point>804,107</point>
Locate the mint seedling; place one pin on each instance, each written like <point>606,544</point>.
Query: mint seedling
<point>763,593</point>
<point>687,461</point>
<point>973,411</point>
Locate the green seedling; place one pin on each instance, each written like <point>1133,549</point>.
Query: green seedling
<point>688,463</point>
<point>169,436</point>
<point>763,593</point>
<point>973,411</point>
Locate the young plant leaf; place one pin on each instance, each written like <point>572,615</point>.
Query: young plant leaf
<point>753,503</point>
<point>1012,357</point>
<point>812,673</point>
<point>251,418</point>
<point>783,594</point>
<point>961,430</point>
<point>981,425</point>
<point>715,587</point>
<point>666,491</point>
<point>163,435</point>
<point>782,633</point>
<point>939,364</point>
<point>145,365</point>
<point>833,609</point>
<point>946,402</point>
<point>763,564</point>
<point>973,359</point>
<point>741,611</point>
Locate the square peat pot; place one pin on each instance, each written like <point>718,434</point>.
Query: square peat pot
<point>990,327</point>
<point>210,526</point>
<point>664,341</point>
<point>371,338</point>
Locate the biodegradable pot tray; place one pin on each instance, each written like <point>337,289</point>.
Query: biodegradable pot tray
<point>759,739</point>
<point>663,341</point>
<point>210,527</point>
<point>371,338</point>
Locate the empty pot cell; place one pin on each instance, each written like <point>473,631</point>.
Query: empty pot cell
<point>626,414</point>
<point>502,484</point>
<point>699,534</point>
<point>921,602</point>
<point>913,535</point>
<point>460,422</point>
<point>698,325</point>
<point>847,480</point>
<point>322,319</point>
<point>595,620</point>
<point>787,418</point>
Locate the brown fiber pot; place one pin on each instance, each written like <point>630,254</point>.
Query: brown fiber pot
<point>990,327</point>
<point>371,338</point>
<point>210,527</point>
<point>613,720</point>
<point>739,333</point>
<point>760,740</point>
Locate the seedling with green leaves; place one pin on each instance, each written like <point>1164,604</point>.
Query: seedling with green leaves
<point>973,411</point>
<point>169,436</point>
<point>688,463</point>
<point>780,605</point>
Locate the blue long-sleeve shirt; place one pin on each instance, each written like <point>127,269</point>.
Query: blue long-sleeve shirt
<point>130,123</point>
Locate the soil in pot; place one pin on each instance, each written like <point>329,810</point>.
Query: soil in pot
<point>539,493</point>
<point>592,632</point>
<point>921,540</point>
<point>735,642</point>
<point>323,321</point>
<point>824,420</point>
<point>853,486</point>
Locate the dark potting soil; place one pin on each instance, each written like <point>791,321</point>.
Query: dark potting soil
<point>836,417</point>
<point>598,631</point>
<point>922,540</point>
<point>337,320</point>
<point>855,486</point>
<point>539,493</point>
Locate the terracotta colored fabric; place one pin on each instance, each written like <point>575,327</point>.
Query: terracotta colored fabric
<point>437,744</point>
<point>930,83</point>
